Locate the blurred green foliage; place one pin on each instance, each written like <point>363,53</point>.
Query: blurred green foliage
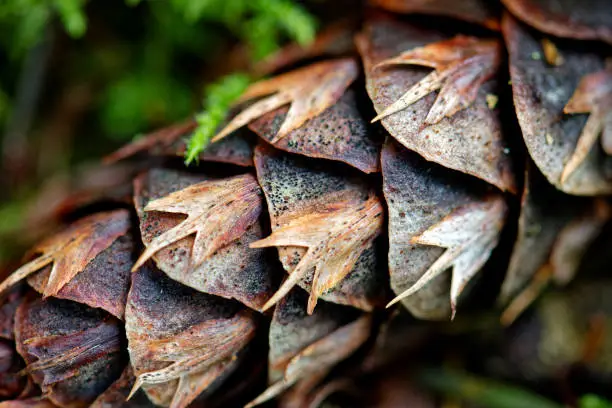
<point>593,401</point>
<point>261,24</point>
<point>4,105</point>
<point>25,20</point>
<point>144,91</point>
<point>134,101</point>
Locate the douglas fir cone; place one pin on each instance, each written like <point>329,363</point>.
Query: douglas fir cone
<point>446,164</point>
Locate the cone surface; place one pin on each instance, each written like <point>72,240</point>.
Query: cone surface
<point>342,205</point>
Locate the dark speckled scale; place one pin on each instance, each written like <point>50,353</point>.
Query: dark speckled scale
<point>293,186</point>
<point>235,271</point>
<point>340,133</point>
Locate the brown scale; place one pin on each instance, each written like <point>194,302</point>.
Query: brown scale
<point>305,347</point>
<point>171,141</point>
<point>339,133</point>
<point>181,215</point>
<point>434,225</point>
<point>482,12</point>
<point>580,19</point>
<point>551,129</point>
<point>181,342</point>
<point>457,128</point>
<point>72,352</point>
<point>554,232</point>
<point>324,224</point>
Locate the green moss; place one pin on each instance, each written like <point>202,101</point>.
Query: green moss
<point>219,97</point>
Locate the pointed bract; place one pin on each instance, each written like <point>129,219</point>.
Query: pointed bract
<point>71,250</point>
<point>461,66</point>
<point>339,133</point>
<point>309,90</point>
<point>149,143</point>
<point>104,282</point>
<point>457,128</point>
<point>116,395</point>
<point>575,239</point>
<point>181,341</point>
<point>593,96</point>
<point>197,356</point>
<point>218,212</point>
<point>303,347</point>
<point>324,223</point>
<point>554,232</point>
<point>72,352</point>
<point>224,216</point>
<point>335,238</point>
<point>544,212</point>
<point>425,200</point>
<point>469,234</point>
<point>541,92</point>
<point>171,141</point>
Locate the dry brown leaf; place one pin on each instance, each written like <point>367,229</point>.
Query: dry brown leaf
<point>335,238</point>
<point>218,212</point>
<point>461,65</point>
<point>71,250</point>
<point>593,95</point>
<point>469,235</point>
<point>309,90</point>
